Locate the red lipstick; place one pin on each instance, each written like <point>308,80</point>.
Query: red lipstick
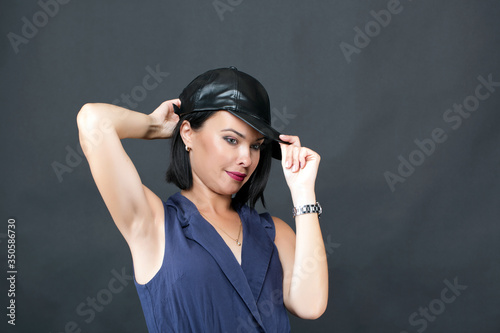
<point>236,175</point>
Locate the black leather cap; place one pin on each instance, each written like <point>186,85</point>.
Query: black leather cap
<point>233,91</point>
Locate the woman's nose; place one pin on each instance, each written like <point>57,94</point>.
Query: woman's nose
<point>245,157</point>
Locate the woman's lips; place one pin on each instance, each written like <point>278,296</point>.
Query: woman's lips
<point>236,175</point>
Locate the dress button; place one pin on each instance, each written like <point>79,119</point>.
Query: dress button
<point>234,68</point>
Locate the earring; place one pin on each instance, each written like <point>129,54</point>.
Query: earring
<point>187,149</point>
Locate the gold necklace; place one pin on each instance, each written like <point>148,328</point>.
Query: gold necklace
<point>237,240</point>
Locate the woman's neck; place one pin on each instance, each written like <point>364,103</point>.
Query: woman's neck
<point>208,202</point>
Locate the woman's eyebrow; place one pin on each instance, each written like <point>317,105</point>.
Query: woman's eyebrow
<point>239,134</point>
<point>234,131</point>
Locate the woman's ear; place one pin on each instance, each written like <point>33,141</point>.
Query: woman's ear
<point>186,133</point>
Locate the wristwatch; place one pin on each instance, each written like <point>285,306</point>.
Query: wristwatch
<point>307,209</point>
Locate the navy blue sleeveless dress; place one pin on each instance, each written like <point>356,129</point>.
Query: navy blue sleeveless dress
<point>201,287</point>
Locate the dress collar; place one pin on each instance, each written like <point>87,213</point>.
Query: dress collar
<point>256,252</point>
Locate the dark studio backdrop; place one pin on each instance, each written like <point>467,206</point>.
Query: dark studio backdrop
<point>400,98</point>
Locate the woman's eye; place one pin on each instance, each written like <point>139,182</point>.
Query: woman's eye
<point>257,146</point>
<point>231,140</point>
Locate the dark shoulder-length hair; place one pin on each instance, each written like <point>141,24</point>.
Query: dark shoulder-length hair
<point>179,171</point>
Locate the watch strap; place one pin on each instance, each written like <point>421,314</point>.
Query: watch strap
<point>307,209</point>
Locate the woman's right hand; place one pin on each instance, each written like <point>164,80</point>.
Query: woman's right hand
<point>165,119</point>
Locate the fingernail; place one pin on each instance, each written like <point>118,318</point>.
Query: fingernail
<point>287,164</point>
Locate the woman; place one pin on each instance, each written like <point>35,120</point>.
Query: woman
<point>204,260</point>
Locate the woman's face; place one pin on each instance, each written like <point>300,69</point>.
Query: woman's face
<point>224,153</point>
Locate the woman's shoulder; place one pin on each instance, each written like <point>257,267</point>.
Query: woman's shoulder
<point>279,224</point>
<point>265,218</point>
<point>275,226</point>
<point>284,233</point>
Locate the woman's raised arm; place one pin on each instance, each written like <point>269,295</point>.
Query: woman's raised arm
<point>303,256</point>
<point>135,210</point>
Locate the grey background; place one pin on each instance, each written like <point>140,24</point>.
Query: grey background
<point>389,252</point>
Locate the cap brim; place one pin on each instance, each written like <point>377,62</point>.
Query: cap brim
<point>264,129</point>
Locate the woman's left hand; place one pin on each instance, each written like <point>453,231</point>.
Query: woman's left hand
<point>300,164</point>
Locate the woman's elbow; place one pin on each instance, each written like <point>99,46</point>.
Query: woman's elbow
<point>312,313</point>
<point>86,115</point>
<point>310,310</point>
